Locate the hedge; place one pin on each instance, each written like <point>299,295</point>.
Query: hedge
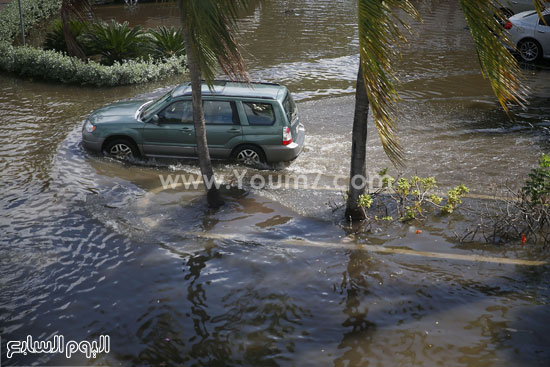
<point>54,66</point>
<point>58,67</point>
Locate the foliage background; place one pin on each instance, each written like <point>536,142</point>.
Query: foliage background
<point>57,66</point>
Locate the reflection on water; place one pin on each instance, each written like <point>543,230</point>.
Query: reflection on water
<point>90,246</point>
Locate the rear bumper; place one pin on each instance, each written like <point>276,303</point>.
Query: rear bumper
<point>285,153</point>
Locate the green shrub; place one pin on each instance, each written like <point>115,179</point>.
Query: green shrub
<point>54,66</point>
<point>166,42</point>
<point>537,185</point>
<point>55,38</point>
<point>57,66</point>
<point>33,12</point>
<point>116,42</point>
<point>411,197</point>
<point>516,216</point>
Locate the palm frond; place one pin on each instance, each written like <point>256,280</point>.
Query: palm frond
<point>167,42</point>
<point>55,37</point>
<point>116,42</point>
<point>380,32</point>
<point>212,26</point>
<point>539,6</point>
<point>498,65</point>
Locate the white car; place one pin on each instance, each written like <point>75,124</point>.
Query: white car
<point>530,34</point>
<point>511,7</point>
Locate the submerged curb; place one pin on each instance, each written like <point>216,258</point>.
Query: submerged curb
<point>200,184</point>
<point>383,250</point>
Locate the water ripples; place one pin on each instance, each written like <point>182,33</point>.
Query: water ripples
<point>86,248</point>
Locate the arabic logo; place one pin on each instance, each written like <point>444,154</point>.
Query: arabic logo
<point>58,345</point>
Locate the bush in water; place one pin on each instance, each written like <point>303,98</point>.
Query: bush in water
<point>54,66</point>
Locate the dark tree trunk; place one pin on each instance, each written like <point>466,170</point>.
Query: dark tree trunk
<point>213,194</point>
<point>358,150</point>
<point>76,9</point>
<point>73,49</point>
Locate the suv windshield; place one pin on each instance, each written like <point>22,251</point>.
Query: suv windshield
<point>148,112</point>
<point>290,107</point>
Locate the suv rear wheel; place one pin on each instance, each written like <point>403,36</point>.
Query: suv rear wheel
<point>249,155</point>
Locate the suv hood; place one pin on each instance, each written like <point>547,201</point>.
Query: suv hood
<point>126,109</point>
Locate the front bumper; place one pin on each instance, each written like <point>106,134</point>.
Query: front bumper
<point>91,142</point>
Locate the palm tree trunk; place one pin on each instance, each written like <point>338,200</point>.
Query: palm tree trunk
<point>213,195</point>
<point>77,9</point>
<point>73,49</point>
<point>358,150</point>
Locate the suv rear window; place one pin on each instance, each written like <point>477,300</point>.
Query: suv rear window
<point>290,107</point>
<point>259,113</point>
<point>220,113</point>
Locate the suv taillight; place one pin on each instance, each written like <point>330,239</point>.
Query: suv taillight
<point>287,136</point>
<point>508,25</point>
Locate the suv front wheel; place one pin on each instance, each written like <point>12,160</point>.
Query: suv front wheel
<point>121,149</point>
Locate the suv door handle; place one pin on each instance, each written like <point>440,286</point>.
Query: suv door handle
<point>234,130</point>
<point>186,130</point>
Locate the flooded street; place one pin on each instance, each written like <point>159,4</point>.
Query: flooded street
<point>90,246</point>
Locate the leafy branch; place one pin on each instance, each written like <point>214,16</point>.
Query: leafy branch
<point>411,197</point>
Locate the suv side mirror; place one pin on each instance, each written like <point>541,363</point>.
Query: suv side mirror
<point>155,119</point>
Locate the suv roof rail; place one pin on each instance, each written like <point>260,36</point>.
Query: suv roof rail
<point>242,82</point>
<point>185,89</point>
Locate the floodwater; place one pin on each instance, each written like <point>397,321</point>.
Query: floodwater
<point>91,246</point>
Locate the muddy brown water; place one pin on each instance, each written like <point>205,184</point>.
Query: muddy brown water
<point>90,246</point>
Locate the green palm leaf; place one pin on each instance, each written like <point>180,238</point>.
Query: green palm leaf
<point>167,42</point>
<point>539,6</point>
<point>116,42</point>
<point>484,19</point>
<point>55,37</point>
<point>212,26</point>
<point>380,30</point>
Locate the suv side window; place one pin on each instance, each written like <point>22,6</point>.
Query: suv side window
<point>177,113</point>
<point>220,113</point>
<point>259,114</point>
<point>546,19</point>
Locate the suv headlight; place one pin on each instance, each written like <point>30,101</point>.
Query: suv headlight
<point>89,127</point>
